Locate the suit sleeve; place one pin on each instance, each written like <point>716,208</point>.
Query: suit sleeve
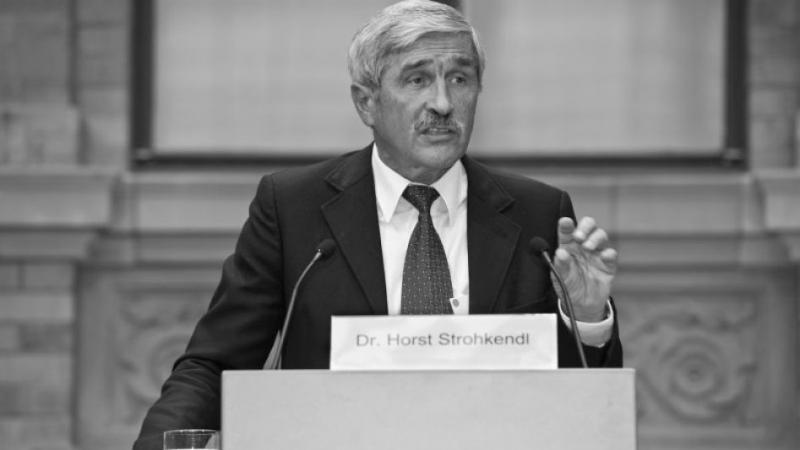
<point>610,355</point>
<point>236,332</point>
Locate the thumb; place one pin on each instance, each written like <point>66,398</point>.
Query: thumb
<point>563,262</point>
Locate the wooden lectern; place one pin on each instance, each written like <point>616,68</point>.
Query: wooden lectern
<point>565,409</point>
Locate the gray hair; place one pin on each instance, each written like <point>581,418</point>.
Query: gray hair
<point>398,27</point>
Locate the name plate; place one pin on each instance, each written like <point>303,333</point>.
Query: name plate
<point>444,342</point>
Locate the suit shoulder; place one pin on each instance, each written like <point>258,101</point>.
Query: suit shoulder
<point>308,178</point>
<point>520,186</point>
<point>311,172</point>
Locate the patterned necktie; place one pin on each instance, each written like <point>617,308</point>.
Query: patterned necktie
<point>427,288</point>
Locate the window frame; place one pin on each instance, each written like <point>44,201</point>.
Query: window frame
<point>732,155</point>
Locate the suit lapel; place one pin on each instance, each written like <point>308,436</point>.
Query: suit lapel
<point>352,216</point>
<point>491,237</point>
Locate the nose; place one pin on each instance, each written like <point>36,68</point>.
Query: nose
<point>441,102</point>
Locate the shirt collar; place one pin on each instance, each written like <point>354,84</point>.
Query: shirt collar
<point>389,187</point>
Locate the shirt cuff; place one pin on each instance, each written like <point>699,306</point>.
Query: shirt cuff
<point>595,334</point>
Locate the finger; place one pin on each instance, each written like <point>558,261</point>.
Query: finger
<point>565,229</point>
<point>609,257</point>
<point>562,261</point>
<point>598,240</point>
<point>584,229</point>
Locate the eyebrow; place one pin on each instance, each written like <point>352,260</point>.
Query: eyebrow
<point>466,61</point>
<point>463,61</point>
<point>416,65</point>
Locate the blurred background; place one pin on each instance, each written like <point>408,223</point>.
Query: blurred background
<point>133,132</point>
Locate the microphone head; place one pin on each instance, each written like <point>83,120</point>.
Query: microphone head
<point>538,245</point>
<point>326,248</point>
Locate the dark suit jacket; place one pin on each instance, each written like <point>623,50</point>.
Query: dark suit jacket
<point>296,209</point>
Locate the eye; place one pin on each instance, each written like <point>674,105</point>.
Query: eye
<point>458,79</point>
<point>462,78</point>
<point>416,80</point>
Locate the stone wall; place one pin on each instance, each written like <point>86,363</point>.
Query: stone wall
<point>104,269</point>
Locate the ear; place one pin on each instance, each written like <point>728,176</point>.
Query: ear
<point>364,100</point>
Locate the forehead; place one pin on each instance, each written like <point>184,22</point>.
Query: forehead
<point>455,48</point>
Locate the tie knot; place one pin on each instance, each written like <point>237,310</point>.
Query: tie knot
<point>421,197</point>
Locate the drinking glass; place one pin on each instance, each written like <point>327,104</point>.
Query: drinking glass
<point>191,439</point>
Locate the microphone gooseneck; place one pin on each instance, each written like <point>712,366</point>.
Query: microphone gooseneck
<point>323,250</point>
<point>540,247</point>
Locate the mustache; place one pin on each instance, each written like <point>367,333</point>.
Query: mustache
<point>429,121</point>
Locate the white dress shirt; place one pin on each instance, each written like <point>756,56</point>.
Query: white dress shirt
<point>397,219</point>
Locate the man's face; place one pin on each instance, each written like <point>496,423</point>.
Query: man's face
<point>423,112</point>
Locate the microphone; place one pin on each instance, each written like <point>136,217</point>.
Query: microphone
<point>540,247</point>
<point>323,250</point>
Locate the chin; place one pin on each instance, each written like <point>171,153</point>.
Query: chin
<point>449,155</point>
<point>444,162</point>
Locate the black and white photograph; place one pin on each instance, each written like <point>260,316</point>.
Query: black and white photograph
<point>399,225</point>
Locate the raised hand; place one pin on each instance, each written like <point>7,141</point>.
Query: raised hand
<point>587,265</point>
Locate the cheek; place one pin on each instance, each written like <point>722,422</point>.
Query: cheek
<point>465,114</point>
<point>403,117</point>
<point>467,106</point>
<point>466,101</point>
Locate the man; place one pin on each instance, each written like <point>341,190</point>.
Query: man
<point>418,226</point>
